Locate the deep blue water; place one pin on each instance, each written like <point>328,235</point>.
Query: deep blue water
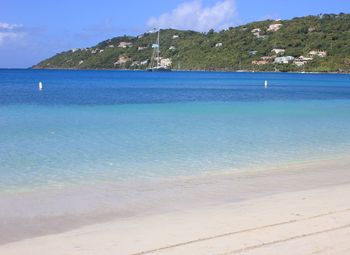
<point>123,87</point>
<point>95,126</point>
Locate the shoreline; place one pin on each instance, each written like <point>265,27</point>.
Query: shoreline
<point>252,170</point>
<point>184,70</point>
<point>32,216</point>
<point>173,70</point>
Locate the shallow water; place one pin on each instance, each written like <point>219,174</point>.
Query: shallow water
<point>88,127</point>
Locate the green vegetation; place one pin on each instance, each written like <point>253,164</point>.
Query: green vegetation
<point>232,49</point>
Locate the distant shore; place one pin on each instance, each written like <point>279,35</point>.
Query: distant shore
<point>309,43</point>
<point>187,70</point>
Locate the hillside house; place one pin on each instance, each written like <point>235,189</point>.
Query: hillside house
<point>252,52</point>
<point>256,32</point>
<point>266,57</point>
<point>284,60</point>
<point>121,60</point>
<point>278,51</point>
<point>135,64</point>
<point>124,44</point>
<point>274,27</point>
<point>141,48</point>
<point>300,61</point>
<point>165,62</point>
<point>260,62</point>
<point>318,53</point>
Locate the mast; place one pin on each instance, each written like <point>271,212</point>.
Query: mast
<point>155,60</point>
<point>158,49</point>
<point>156,63</point>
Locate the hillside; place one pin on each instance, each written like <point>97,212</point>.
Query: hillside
<point>312,43</point>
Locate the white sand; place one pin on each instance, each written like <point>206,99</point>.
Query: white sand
<point>307,221</point>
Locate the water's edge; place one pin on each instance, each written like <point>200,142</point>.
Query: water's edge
<point>33,214</point>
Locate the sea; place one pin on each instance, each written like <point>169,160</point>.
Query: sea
<point>106,126</point>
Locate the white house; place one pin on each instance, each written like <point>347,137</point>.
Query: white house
<point>141,48</point>
<point>172,48</point>
<point>274,27</point>
<point>124,44</point>
<point>135,63</point>
<point>175,36</point>
<point>252,52</point>
<point>318,53</point>
<point>284,60</point>
<point>122,60</point>
<point>278,51</point>
<point>256,32</point>
<point>302,58</point>
<point>165,62</point>
<point>218,45</point>
<point>300,61</point>
<point>266,57</point>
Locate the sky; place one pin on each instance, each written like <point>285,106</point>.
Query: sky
<point>32,30</point>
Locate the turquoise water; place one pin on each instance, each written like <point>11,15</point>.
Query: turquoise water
<point>105,126</point>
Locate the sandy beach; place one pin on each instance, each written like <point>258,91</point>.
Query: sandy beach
<point>294,209</point>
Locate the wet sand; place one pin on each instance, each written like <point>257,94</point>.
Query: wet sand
<point>299,208</point>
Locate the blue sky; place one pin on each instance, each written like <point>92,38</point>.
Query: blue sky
<point>34,30</point>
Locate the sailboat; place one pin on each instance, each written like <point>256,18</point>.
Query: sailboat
<point>155,64</point>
